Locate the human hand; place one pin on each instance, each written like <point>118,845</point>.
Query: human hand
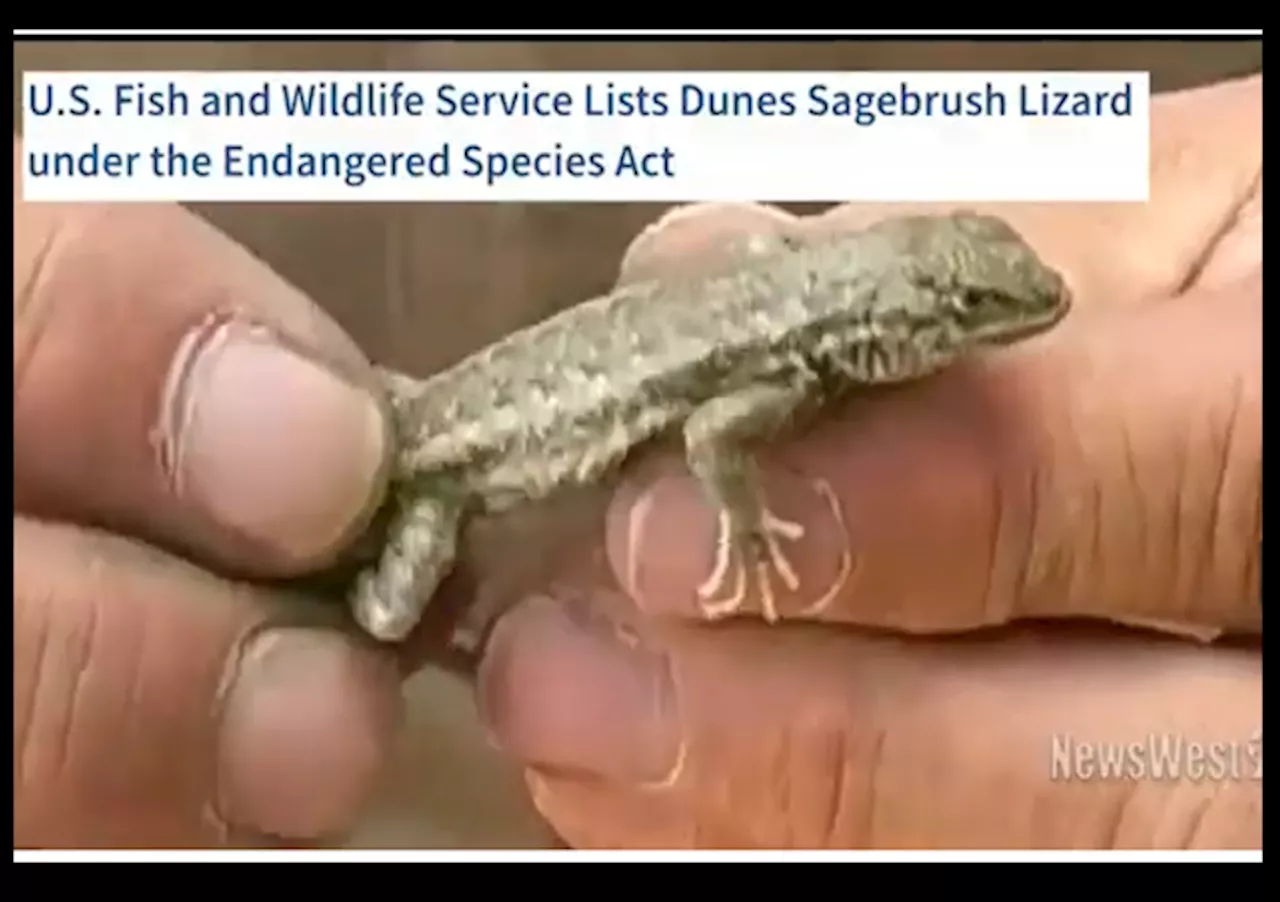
<point>171,392</point>
<point>1110,469</point>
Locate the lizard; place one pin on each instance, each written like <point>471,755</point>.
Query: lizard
<point>719,362</point>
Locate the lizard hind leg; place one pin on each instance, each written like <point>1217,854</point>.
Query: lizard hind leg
<point>421,545</point>
<point>749,546</point>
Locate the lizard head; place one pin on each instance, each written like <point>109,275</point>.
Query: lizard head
<point>985,278</point>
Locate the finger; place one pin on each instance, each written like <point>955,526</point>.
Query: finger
<point>1113,470</point>
<point>1206,168</point>
<point>157,706</point>
<point>1206,192</point>
<point>169,385</point>
<point>806,737</point>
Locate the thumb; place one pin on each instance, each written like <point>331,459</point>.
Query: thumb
<point>169,385</point>
<point>665,736</point>
<point>1110,470</point>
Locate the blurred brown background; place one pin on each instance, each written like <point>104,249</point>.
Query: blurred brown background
<point>420,285</point>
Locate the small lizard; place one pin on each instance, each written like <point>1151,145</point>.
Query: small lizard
<point>722,362</point>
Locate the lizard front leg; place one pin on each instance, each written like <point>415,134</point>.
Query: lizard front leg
<point>749,550</point>
<point>421,545</point>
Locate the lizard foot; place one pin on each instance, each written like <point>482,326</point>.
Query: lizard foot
<point>756,558</point>
<point>744,559</point>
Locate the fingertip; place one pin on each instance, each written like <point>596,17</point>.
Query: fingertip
<point>567,689</point>
<point>308,719</point>
<point>170,385</point>
<point>665,545</point>
<point>659,539</point>
<point>699,237</point>
<point>275,448</point>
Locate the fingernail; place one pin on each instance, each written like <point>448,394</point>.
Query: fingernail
<point>273,446</point>
<point>308,719</point>
<point>562,689</point>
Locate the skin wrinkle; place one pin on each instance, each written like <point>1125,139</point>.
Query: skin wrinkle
<point>33,307</point>
<point>1182,510</point>
<point>1228,440</point>
<point>815,749</point>
<point>1113,829</point>
<point>79,708</point>
<point>796,752</point>
<point>1181,513</point>
<point>1133,496</point>
<point>1050,540</point>
<point>48,727</point>
<point>1174,818</point>
<point>801,752</point>
<point>1099,515</point>
<point>1230,796</point>
<point>847,793</point>
<point>24,723</point>
<point>1086,573</point>
<point>1168,816</point>
<point>23,298</point>
<point>1233,215</point>
<point>828,815</point>
<point>1219,453</point>
<point>1045,810</point>
<point>1024,556</point>
<point>1195,821</point>
<point>870,787</point>
<point>1118,512</point>
<point>1253,555</point>
<point>790,750</point>
<point>994,608</point>
<point>139,657</point>
<point>74,656</point>
<point>1236,438</point>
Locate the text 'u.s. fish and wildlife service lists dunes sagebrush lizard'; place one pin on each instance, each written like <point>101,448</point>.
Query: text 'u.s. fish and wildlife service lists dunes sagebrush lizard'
<point>722,363</point>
